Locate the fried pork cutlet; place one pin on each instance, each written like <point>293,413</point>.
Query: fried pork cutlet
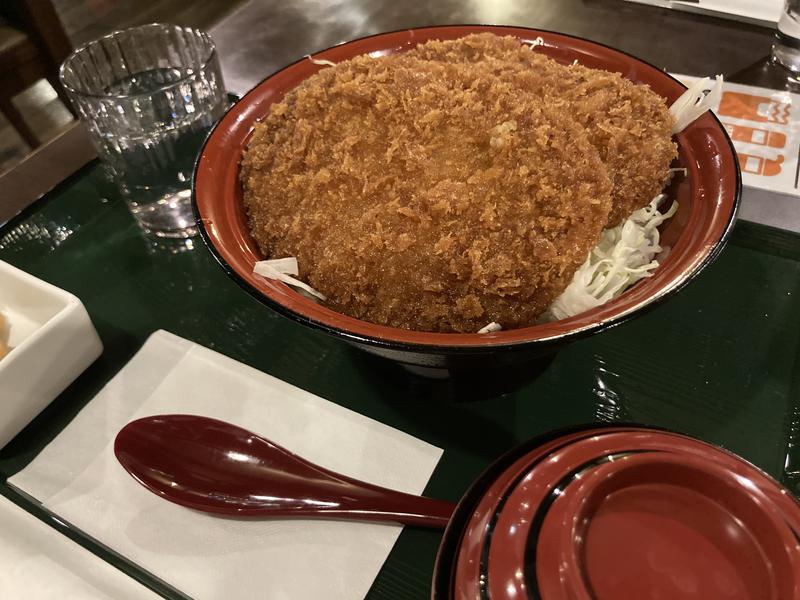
<point>629,124</point>
<point>425,195</point>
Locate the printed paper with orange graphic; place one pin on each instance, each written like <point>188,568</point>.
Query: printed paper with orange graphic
<point>758,165</point>
<point>764,126</point>
<point>761,109</point>
<point>756,135</point>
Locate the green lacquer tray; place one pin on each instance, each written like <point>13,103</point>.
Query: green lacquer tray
<point>719,361</point>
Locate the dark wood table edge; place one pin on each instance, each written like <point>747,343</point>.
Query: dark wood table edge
<point>48,167</point>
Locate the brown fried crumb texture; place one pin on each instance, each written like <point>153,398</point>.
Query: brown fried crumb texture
<point>460,183</point>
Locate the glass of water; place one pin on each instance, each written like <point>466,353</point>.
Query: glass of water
<point>149,96</point>
<point>786,49</point>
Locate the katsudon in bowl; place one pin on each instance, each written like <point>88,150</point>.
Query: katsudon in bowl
<point>445,194</point>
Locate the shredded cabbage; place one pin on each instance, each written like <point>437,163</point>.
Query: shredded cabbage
<point>490,328</point>
<point>320,61</point>
<point>282,269</point>
<point>625,254</point>
<point>539,41</point>
<point>694,102</point>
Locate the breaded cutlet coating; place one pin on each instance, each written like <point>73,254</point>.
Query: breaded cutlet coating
<point>629,124</point>
<point>423,195</point>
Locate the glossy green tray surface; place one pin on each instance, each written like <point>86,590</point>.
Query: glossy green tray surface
<point>719,361</point>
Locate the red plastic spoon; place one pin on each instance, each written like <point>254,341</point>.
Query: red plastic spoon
<point>216,467</point>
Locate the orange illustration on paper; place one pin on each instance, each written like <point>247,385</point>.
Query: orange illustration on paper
<point>756,135</point>
<point>754,108</point>
<point>758,165</point>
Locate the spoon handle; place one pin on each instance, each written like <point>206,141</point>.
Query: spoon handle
<point>400,508</point>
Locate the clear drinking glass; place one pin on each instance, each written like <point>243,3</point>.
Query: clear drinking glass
<point>786,49</point>
<point>149,95</point>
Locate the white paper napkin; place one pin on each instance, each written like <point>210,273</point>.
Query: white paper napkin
<point>761,12</point>
<point>78,478</point>
<point>41,564</point>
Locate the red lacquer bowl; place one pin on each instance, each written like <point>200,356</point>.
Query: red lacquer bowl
<point>621,513</point>
<point>708,198</point>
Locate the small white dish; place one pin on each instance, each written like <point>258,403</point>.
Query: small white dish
<point>52,341</point>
